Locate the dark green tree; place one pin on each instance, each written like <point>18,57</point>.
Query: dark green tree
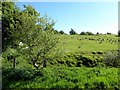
<point>10,15</point>
<point>97,33</point>
<point>31,35</point>
<point>61,32</point>
<point>72,32</point>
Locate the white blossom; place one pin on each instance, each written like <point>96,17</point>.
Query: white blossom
<point>36,65</point>
<point>26,47</point>
<point>20,44</point>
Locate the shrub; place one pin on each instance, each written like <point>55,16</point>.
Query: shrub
<point>93,52</point>
<point>89,33</point>
<point>79,64</point>
<point>100,52</point>
<point>70,63</point>
<point>83,33</point>
<point>60,62</point>
<point>61,32</point>
<point>86,33</point>
<point>89,61</point>
<point>111,59</point>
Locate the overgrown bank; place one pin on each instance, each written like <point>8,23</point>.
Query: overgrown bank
<point>62,77</point>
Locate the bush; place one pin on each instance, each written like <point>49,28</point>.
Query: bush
<point>79,64</point>
<point>79,60</point>
<point>89,33</point>
<point>93,52</point>
<point>112,59</point>
<point>100,52</point>
<point>86,33</point>
<point>89,61</point>
<point>61,77</point>
<point>83,33</point>
<point>61,32</point>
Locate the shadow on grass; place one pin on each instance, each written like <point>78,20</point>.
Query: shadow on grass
<point>10,75</point>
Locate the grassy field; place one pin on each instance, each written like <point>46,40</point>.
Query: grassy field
<point>81,67</point>
<point>81,43</point>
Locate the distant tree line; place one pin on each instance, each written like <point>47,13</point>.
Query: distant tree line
<point>73,32</point>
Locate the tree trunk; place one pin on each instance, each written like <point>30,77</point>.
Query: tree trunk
<point>14,62</point>
<point>44,63</point>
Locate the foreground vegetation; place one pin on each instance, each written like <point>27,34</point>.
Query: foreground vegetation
<point>37,56</point>
<point>86,69</point>
<point>61,77</point>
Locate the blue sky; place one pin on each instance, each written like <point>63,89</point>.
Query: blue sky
<point>81,16</point>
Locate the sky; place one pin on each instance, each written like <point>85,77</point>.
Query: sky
<point>95,17</point>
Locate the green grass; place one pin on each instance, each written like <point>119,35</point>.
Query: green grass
<point>65,77</point>
<point>71,43</point>
<point>69,71</point>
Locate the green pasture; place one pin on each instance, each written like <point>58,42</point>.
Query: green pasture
<point>81,67</point>
<point>72,43</point>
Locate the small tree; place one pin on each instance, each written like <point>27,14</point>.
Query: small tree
<point>72,32</point>
<point>39,39</point>
<point>34,32</point>
<point>61,32</point>
<point>97,33</point>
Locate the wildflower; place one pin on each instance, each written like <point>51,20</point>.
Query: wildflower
<point>20,44</point>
